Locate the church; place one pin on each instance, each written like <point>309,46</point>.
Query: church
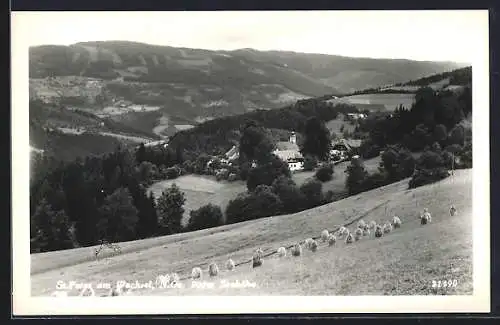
<point>289,151</point>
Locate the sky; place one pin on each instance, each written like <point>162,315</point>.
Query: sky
<point>435,35</point>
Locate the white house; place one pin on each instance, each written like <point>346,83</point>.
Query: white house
<point>296,164</point>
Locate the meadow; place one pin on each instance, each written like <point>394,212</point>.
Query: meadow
<point>377,102</point>
<point>202,190</point>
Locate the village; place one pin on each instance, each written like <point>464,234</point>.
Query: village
<point>289,151</point>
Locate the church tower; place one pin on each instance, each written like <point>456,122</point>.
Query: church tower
<point>293,138</point>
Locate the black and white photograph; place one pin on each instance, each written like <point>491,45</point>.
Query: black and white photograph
<point>250,162</point>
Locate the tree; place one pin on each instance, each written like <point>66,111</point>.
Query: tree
<point>457,135</point>
<point>289,194</point>
<point>369,149</point>
<point>317,139</point>
<point>118,217</point>
<point>215,164</point>
<point>390,163</point>
<point>430,160</point>
<point>201,163</point>
<point>325,173</point>
<point>436,147</point>
<point>50,230</point>
<point>426,103</point>
<point>172,172</point>
<point>265,174</point>
<point>421,137</point>
<point>147,224</point>
<point>145,170</point>
<point>170,209</point>
<point>140,154</point>
<point>440,133</point>
<point>258,204</point>
<point>406,163</point>
<point>310,163</point>
<point>207,216</point>
<point>397,163</point>
<point>263,151</point>
<point>465,100</point>
<point>266,202</point>
<point>356,176</point>
<point>255,144</point>
<point>312,191</point>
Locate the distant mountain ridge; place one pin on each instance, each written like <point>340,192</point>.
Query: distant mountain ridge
<point>310,74</point>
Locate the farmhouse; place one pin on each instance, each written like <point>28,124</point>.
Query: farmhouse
<point>356,116</point>
<point>343,148</point>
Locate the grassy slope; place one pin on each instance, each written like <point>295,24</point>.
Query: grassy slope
<point>336,124</point>
<point>403,262</point>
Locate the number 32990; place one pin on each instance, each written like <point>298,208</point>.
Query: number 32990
<point>444,283</point>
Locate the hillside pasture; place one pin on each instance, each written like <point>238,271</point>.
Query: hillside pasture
<point>202,190</point>
<point>337,184</point>
<point>336,124</point>
<point>389,101</point>
<point>403,262</point>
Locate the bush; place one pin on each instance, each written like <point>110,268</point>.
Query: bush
<point>329,196</point>
<point>173,172</point>
<point>215,164</point>
<point>222,175</point>
<point>375,180</point>
<point>188,166</point>
<point>207,216</point>
<point>428,176</point>
<point>466,156</point>
<point>325,173</point>
<point>454,149</point>
<point>258,204</point>
<point>312,191</point>
<point>232,177</point>
<point>356,176</point>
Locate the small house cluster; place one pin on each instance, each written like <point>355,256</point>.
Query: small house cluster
<point>289,152</point>
<point>343,149</point>
<point>356,116</point>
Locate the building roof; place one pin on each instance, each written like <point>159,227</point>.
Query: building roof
<point>348,143</point>
<point>232,152</point>
<point>288,154</point>
<point>286,145</point>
